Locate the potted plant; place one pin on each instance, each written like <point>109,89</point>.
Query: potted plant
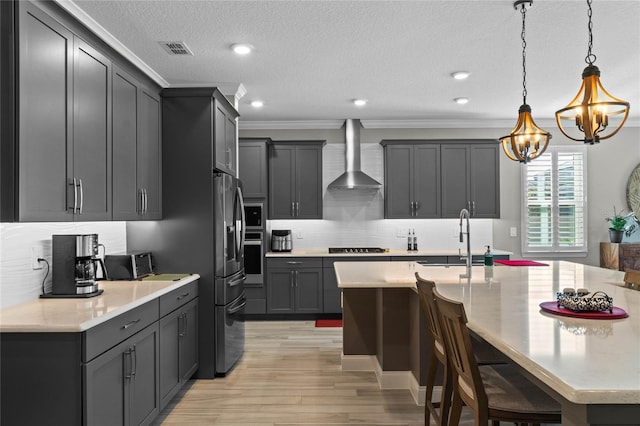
<point>617,223</point>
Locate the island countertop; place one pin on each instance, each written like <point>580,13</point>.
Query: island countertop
<point>77,315</point>
<point>586,361</point>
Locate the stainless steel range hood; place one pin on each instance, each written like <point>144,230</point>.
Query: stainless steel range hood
<point>353,177</point>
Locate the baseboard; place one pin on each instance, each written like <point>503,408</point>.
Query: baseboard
<point>358,362</point>
<point>389,379</point>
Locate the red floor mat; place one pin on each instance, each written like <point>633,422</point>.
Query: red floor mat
<point>329,323</point>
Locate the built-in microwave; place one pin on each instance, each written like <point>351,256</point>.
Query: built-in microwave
<point>254,216</point>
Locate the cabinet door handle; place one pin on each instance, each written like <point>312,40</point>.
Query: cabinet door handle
<point>297,208</point>
<point>186,319</point>
<point>292,278</point>
<point>297,276</point>
<point>127,357</point>
<point>130,324</point>
<point>293,209</point>
<point>81,197</point>
<point>473,208</point>
<point>181,330</point>
<point>135,362</point>
<point>75,195</point>
<point>417,206</point>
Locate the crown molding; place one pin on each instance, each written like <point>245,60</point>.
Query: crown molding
<point>402,124</point>
<point>290,125</point>
<point>79,14</point>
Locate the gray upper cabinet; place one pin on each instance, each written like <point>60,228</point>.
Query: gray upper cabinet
<point>252,169</point>
<point>44,116</point>
<point>295,180</point>
<point>149,170</point>
<point>91,154</point>
<point>71,107</point>
<point>412,180</point>
<point>202,116</point>
<point>225,137</point>
<point>136,150</point>
<point>470,179</point>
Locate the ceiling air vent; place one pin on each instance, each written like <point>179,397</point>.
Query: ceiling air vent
<point>176,48</point>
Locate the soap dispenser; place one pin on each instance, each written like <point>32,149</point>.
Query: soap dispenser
<point>488,257</point>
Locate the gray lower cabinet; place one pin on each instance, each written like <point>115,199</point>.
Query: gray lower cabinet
<point>178,349</point>
<point>122,385</point>
<point>294,285</point>
<point>470,179</point>
<point>295,180</point>
<point>116,373</point>
<point>137,153</point>
<point>412,180</point>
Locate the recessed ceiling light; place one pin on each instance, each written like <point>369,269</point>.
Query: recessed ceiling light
<point>360,102</point>
<point>242,49</point>
<point>257,104</point>
<point>460,75</point>
<point>461,101</point>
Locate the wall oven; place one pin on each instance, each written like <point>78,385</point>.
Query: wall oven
<point>254,258</point>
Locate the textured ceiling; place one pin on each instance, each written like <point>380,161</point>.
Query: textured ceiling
<point>312,58</point>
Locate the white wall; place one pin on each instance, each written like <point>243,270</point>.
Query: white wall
<point>357,218</point>
<point>18,281</point>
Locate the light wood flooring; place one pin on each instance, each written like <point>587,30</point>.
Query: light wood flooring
<point>290,375</point>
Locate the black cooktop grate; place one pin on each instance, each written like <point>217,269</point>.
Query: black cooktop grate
<point>356,250</point>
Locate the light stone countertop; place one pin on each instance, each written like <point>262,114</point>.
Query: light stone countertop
<point>77,315</point>
<point>390,252</point>
<point>587,361</point>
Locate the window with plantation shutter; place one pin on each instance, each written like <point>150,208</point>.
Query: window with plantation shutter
<point>554,211</point>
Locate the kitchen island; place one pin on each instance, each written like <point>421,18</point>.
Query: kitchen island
<point>116,358</point>
<point>592,367</point>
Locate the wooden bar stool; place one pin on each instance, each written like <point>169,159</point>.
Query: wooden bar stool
<point>438,410</point>
<point>497,392</point>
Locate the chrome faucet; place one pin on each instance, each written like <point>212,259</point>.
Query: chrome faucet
<point>464,214</point>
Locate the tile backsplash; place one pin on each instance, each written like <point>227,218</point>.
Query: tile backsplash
<point>18,281</point>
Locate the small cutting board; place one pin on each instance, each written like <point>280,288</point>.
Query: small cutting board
<point>165,277</point>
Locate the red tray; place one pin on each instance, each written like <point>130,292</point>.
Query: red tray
<point>553,308</point>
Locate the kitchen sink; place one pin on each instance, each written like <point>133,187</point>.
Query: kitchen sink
<point>446,265</point>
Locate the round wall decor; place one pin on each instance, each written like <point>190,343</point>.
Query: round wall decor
<point>633,191</point>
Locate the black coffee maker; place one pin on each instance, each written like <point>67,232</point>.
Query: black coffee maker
<point>75,266</point>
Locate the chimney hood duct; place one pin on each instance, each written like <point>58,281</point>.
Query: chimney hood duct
<point>353,177</point>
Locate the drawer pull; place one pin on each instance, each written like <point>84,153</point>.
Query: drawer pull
<point>130,324</point>
<point>291,262</point>
<point>182,296</point>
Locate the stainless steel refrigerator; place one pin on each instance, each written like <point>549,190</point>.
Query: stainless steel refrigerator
<point>203,232</point>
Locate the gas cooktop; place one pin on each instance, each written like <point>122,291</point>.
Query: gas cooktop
<point>356,250</point>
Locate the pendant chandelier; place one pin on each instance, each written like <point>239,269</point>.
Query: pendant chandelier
<point>595,114</point>
<point>526,141</point>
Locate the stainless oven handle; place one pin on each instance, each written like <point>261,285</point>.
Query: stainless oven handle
<point>237,281</point>
<point>237,308</point>
<point>253,242</point>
